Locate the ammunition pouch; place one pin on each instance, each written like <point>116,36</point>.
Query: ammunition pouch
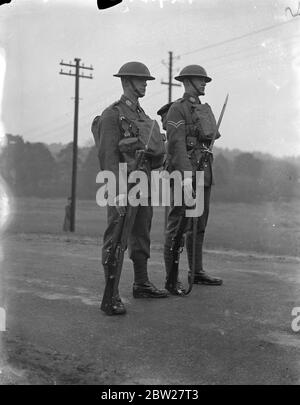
<point>200,122</point>
<point>191,142</point>
<point>200,127</point>
<point>139,134</point>
<point>128,147</point>
<point>204,121</point>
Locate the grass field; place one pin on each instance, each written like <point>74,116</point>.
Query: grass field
<point>272,228</point>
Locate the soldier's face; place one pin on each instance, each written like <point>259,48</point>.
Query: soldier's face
<point>200,83</point>
<point>140,85</point>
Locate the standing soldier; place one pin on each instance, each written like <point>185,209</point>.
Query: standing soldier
<point>117,134</point>
<point>190,126</point>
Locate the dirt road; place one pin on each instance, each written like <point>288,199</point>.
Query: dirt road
<point>239,333</point>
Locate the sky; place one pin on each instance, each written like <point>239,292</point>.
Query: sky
<point>250,48</point>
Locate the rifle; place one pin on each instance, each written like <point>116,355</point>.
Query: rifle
<point>177,241</point>
<point>118,243</point>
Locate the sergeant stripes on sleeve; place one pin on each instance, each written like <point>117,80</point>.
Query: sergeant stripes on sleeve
<point>176,124</point>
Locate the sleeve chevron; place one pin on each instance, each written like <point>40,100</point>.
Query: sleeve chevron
<point>176,124</point>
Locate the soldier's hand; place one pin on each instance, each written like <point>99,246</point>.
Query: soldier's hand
<point>188,192</point>
<point>121,204</point>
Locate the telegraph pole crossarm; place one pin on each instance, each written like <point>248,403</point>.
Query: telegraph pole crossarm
<point>170,83</point>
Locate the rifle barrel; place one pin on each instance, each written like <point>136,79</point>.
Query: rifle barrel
<point>219,123</point>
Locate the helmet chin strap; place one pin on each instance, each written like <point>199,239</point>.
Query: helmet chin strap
<point>199,92</point>
<point>136,91</point>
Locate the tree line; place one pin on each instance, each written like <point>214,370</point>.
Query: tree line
<point>31,170</point>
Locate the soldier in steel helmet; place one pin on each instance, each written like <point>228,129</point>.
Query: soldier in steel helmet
<point>120,122</point>
<point>186,142</point>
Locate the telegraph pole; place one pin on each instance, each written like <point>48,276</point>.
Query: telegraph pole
<point>77,75</point>
<point>170,85</point>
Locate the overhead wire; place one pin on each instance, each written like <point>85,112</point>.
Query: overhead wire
<point>229,40</point>
<point>59,128</point>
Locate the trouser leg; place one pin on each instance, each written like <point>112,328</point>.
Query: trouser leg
<point>201,226</point>
<point>139,243</point>
<point>201,277</point>
<point>171,257</point>
<point>112,220</point>
<point>139,253</point>
<point>174,216</point>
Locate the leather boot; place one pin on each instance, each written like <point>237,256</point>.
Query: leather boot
<point>142,287</point>
<point>203,278</point>
<point>117,308</point>
<point>148,290</point>
<point>200,277</point>
<point>116,281</point>
<point>173,285</point>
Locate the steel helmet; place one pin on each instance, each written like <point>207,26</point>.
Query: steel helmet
<point>134,69</point>
<point>192,71</point>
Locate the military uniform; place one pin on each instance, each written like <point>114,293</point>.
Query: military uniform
<point>110,157</point>
<point>122,129</point>
<point>186,144</point>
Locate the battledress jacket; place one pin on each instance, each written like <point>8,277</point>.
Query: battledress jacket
<point>111,134</point>
<point>181,139</point>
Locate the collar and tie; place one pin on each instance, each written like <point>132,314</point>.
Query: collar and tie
<point>134,106</point>
<point>191,99</point>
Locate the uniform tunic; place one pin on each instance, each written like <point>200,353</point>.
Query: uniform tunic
<point>185,148</point>
<point>109,158</point>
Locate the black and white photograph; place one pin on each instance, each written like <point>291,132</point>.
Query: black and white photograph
<point>150,195</point>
